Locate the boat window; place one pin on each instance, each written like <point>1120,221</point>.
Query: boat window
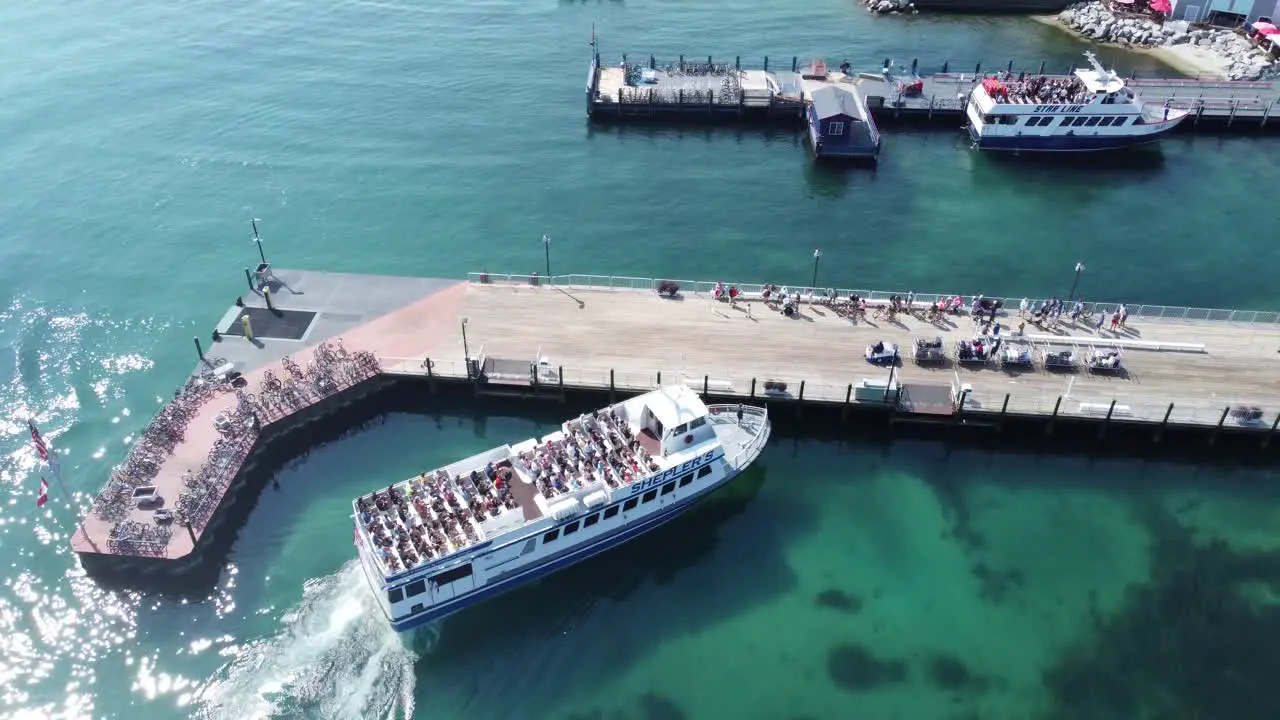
<point>529,546</point>
<point>591,519</point>
<point>1120,121</point>
<point>396,595</point>
<point>986,119</point>
<point>835,128</point>
<point>417,608</point>
<point>1065,121</point>
<point>1106,121</point>
<point>1008,119</point>
<point>630,504</point>
<point>417,587</point>
<point>649,496</point>
<point>448,576</point>
<point>550,536</point>
<point>686,479</point>
<point>697,423</point>
<point>705,471</point>
<point>610,511</point>
<point>680,429</point>
<point>571,528</point>
<point>669,488</point>
<point>1092,121</point>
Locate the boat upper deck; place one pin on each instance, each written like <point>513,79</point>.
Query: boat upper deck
<point>440,513</point>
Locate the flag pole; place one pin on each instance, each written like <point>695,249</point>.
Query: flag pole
<point>55,469</point>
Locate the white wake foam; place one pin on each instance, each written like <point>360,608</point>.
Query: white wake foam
<point>335,656</point>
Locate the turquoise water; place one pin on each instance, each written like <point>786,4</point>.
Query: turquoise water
<point>833,580</point>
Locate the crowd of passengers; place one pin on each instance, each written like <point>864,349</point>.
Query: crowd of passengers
<point>598,447</point>
<point>432,517</point>
<point>1040,90</point>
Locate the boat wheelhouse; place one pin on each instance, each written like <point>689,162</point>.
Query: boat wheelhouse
<point>1090,110</point>
<point>451,537</point>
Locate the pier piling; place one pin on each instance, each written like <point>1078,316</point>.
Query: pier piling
<point>1213,436</point>
<point>248,278</point>
<point>612,388</point>
<point>945,65</point>
<point>1267,440</point>
<point>795,63</point>
<point>1041,68</point>
<point>1048,429</point>
<point>1102,431</point>
<point>848,395</point>
<point>199,349</point>
<point>266,294</point>
<point>1160,430</point>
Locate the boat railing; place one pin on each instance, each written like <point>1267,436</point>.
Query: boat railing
<point>757,428</point>
<point>706,288</point>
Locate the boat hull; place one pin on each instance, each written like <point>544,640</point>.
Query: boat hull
<point>1064,143</point>
<point>524,577</point>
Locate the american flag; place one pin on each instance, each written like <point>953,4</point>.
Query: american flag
<point>43,497</point>
<point>38,441</point>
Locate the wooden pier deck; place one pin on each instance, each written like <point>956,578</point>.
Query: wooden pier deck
<point>781,93</point>
<point>625,337</point>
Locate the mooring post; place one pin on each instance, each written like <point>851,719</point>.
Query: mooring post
<point>1003,409</point>
<point>1010,69</point>
<point>708,60</point>
<point>611,387</point>
<point>964,395</point>
<point>795,63</point>
<point>266,294</point>
<point>706,383</point>
<point>248,277</point>
<point>426,362</point>
<point>1163,423</point>
<point>1102,431</point>
<point>753,388</point>
<point>848,394</point>
<point>1048,429</point>
<point>659,378</point>
<point>561,377</point>
<point>737,62</point>
<point>653,64</point>
<point>1234,104</point>
<point>766,63</point>
<point>682,63</point>
<point>1213,437</point>
<point>199,350</point>
<point>915,64</point>
<point>1267,439</point>
<point>1042,67</point>
<point>1266,113</point>
<point>945,65</point>
<point>977,69</point>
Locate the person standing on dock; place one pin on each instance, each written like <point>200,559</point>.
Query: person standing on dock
<point>739,414</point>
<point>1022,308</point>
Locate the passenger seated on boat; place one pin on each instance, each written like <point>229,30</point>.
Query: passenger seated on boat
<point>877,348</point>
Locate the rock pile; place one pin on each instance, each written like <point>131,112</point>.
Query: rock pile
<point>1093,20</point>
<point>891,7</point>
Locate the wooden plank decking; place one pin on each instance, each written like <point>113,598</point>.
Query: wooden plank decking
<point>637,335</point>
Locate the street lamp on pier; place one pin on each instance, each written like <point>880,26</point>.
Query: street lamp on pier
<point>1074,283</point>
<point>817,255</point>
<point>546,246</point>
<point>466,350</point>
<point>258,239</point>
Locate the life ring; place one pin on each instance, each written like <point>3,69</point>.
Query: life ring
<point>688,439</point>
<point>715,411</point>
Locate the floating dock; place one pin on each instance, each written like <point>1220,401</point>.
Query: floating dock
<point>724,90</point>
<point>1184,371</point>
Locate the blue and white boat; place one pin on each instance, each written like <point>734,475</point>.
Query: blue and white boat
<point>1089,110</point>
<point>447,539</point>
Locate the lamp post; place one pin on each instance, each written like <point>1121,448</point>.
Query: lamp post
<point>817,255</point>
<point>258,239</point>
<point>546,246</point>
<point>1074,283</point>
<point>466,351</point>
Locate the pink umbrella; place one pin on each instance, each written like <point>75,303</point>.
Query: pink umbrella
<point>1161,6</point>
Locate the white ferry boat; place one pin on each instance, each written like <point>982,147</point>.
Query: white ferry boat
<point>435,544</point>
<point>1090,110</point>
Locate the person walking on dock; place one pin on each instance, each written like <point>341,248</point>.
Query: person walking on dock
<point>1102,318</point>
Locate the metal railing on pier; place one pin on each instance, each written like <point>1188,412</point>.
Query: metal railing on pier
<point>752,290</point>
<point>786,385</point>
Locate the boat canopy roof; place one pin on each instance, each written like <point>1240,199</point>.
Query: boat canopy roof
<point>672,406</point>
<point>1099,79</point>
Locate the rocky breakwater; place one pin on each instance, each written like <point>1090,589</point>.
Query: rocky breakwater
<point>891,7</point>
<point>1239,58</point>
